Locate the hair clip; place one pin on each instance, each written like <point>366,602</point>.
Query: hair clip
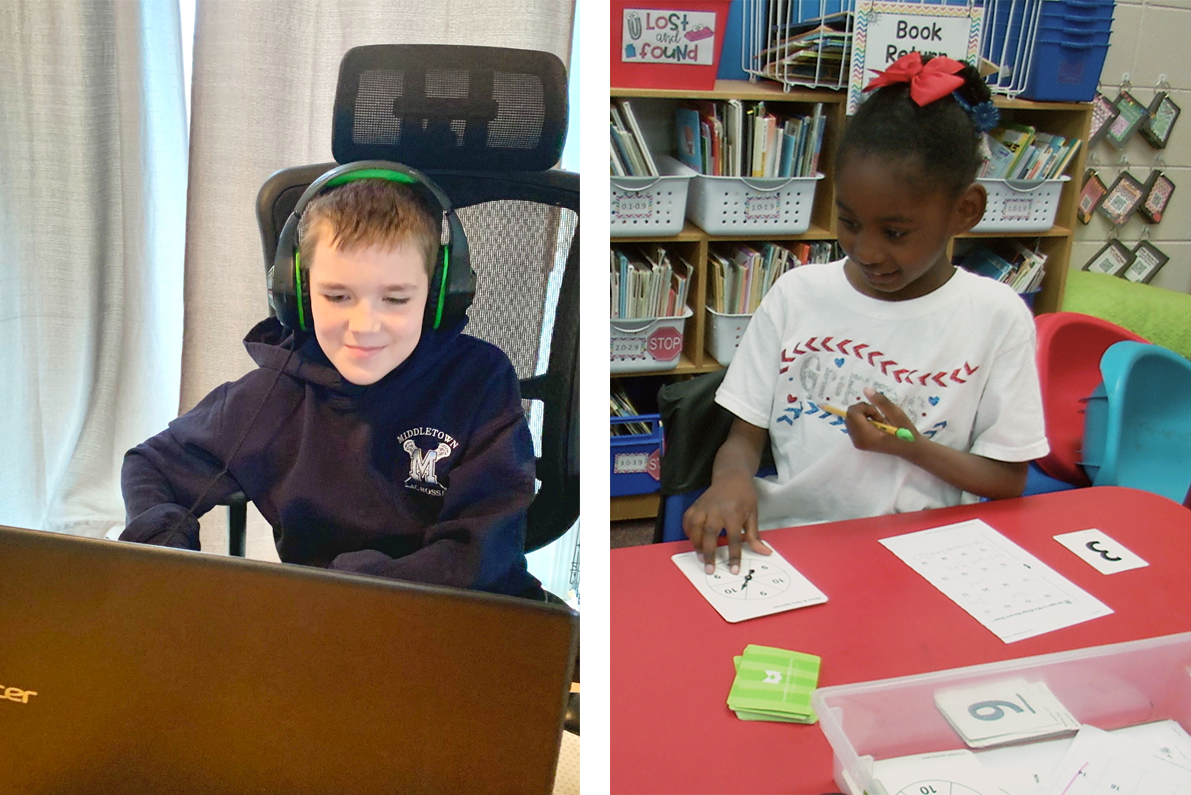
<point>985,115</point>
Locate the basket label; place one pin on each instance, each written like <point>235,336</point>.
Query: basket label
<point>637,464</point>
<point>762,208</point>
<point>632,206</point>
<point>627,346</point>
<point>1017,209</point>
<point>667,36</point>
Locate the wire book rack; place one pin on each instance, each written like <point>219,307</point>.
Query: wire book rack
<point>808,43</point>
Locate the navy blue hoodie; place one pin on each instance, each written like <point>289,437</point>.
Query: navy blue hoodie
<point>425,475</point>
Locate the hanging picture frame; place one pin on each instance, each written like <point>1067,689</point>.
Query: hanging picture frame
<point>1090,196</point>
<point>1163,112</point>
<point>1131,114</point>
<point>1158,190</point>
<point>1113,259</point>
<point>1147,261</point>
<point>1104,112</point>
<point>1122,199</point>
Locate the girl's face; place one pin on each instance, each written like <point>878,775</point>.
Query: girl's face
<point>895,226</point>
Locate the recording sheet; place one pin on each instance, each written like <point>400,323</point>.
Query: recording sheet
<point>998,583</point>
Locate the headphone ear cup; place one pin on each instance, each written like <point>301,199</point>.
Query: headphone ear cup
<point>283,294</point>
<point>306,316</point>
<point>459,287</point>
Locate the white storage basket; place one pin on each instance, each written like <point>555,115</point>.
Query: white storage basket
<point>1020,206</point>
<point>745,205</point>
<point>651,206</point>
<point>647,344</point>
<point>724,333</point>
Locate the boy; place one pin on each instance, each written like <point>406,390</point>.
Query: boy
<point>374,446</point>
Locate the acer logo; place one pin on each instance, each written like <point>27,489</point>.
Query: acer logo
<point>15,694</point>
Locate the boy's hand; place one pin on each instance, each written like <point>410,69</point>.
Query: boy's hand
<point>730,504</point>
<point>867,436</point>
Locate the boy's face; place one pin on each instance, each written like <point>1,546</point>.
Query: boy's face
<point>367,305</point>
<point>895,227</point>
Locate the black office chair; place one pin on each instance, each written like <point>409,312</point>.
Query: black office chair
<point>486,124</point>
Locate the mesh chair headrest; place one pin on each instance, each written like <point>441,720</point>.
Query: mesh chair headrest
<point>451,106</point>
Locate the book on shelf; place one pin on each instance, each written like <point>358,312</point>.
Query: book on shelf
<point>1013,264</point>
<point>621,405</point>
<point>688,131</point>
<point>1019,152</point>
<point>815,50</point>
<point>647,282</point>
<point>628,142</point>
<point>737,139</point>
<point>740,275</point>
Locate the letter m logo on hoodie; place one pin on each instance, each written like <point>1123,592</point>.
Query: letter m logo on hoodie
<point>423,461</point>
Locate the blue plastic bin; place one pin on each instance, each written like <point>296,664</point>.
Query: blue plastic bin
<point>1068,41</point>
<point>1065,72</point>
<point>636,459</point>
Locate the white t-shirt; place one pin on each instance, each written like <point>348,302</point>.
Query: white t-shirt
<point>959,361</point>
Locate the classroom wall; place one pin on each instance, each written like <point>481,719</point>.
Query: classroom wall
<point>1150,39</point>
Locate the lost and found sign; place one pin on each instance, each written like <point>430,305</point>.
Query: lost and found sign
<point>885,31</point>
<point>653,35</point>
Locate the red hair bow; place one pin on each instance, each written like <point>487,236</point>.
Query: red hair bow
<point>928,83</point>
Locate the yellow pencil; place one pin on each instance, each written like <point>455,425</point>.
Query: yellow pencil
<point>901,433</point>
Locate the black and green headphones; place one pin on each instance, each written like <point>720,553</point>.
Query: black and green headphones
<point>452,284</point>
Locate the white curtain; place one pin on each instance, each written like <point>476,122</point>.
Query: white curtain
<point>264,82</point>
<point>92,218</point>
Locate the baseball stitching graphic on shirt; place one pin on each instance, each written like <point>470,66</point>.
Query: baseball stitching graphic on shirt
<point>836,370</point>
<point>427,448</point>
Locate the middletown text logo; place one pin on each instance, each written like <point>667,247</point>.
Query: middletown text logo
<point>424,458</point>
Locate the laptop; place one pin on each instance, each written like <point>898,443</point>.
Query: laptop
<point>133,669</point>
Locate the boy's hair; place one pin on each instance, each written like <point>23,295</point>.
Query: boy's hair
<point>370,212</point>
<point>941,136</point>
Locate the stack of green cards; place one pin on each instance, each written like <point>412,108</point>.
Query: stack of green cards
<point>774,684</point>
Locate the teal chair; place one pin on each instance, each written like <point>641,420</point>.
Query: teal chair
<point>1137,429</point>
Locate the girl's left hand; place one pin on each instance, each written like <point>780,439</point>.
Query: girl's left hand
<point>867,436</point>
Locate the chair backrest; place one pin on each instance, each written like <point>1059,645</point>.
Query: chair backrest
<point>694,426</point>
<point>1138,424</point>
<point>1070,345</point>
<point>495,113</point>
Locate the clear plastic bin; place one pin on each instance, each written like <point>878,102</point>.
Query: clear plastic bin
<point>1110,687</point>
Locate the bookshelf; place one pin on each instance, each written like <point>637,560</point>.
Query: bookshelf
<point>655,113</point>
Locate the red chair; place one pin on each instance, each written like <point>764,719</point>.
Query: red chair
<point>1070,346</point>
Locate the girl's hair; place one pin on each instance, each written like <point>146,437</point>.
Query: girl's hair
<point>370,212</point>
<point>941,136</point>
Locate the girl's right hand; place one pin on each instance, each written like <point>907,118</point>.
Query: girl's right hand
<point>729,504</point>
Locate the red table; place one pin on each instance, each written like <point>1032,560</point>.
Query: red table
<point>671,668</point>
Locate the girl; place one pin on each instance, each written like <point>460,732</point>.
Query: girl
<point>930,366</point>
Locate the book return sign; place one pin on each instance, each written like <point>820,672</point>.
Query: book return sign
<point>885,31</point>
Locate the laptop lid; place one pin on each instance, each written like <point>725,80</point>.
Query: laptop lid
<point>133,669</point>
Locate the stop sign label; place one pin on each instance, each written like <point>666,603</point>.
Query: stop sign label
<point>653,465</point>
<point>664,344</point>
